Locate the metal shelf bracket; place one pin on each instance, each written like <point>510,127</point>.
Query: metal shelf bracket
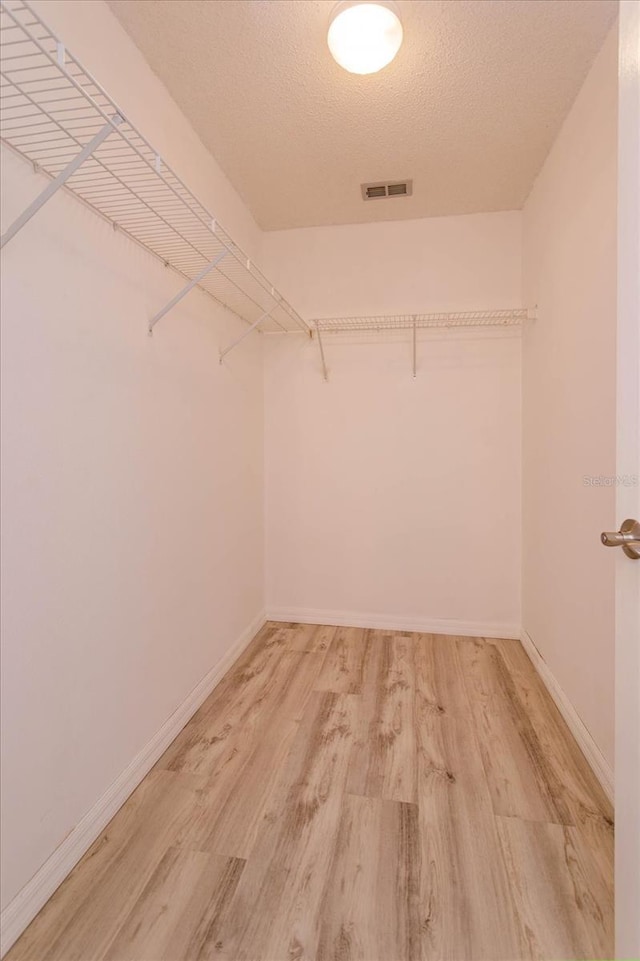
<point>249,330</point>
<point>325,372</point>
<point>60,180</point>
<point>185,290</point>
<point>414,347</point>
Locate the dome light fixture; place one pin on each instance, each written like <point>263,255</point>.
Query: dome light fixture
<point>364,36</point>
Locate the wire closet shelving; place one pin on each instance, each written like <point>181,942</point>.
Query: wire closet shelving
<point>463,319</point>
<point>469,318</point>
<point>55,115</point>
<point>59,118</point>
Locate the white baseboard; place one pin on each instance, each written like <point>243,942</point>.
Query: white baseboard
<point>586,743</point>
<point>393,622</point>
<point>26,904</point>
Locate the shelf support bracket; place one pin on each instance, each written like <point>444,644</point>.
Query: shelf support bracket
<point>185,290</point>
<point>249,329</point>
<point>414,348</point>
<point>325,372</point>
<point>59,181</point>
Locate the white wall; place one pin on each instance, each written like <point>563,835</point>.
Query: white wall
<point>392,500</point>
<point>132,478</point>
<point>456,263</point>
<point>569,403</point>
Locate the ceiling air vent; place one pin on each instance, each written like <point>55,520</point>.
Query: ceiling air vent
<point>395,188</point>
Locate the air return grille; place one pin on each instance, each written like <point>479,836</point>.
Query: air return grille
<point>395,188</point>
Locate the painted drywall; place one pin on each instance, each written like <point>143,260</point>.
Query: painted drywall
<point>132,477</point>
<point>569,256</point>
<point>390,500</point>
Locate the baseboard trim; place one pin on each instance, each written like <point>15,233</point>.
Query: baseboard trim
<point>392,622</point>
<point>574,722</point>
<point>26,904</point>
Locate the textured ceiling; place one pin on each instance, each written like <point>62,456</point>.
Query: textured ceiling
<point>468,109</point>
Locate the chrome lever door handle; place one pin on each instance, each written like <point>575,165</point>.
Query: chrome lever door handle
<point>628,538</point>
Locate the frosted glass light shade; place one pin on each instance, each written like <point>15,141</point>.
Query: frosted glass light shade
<point>364,37</point>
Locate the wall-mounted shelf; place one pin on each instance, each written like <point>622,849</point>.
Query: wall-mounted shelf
<point>508,317</point>
<point>54,114</point>
<point>470,318</point>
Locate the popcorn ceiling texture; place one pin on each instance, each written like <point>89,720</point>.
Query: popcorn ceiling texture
<point>468,109</point>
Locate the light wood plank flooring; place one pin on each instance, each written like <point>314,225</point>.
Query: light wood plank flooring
<point>352,794</point>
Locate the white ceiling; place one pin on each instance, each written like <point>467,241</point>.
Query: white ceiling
<point>468,109</point>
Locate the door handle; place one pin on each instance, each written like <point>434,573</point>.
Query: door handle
<point>628,538</point>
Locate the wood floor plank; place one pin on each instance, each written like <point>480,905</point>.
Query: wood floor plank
<point>236,704</point>
<point>519,778</point>
<point>581,791</point>
<point>466,902</point>
<point>232,826</point>
<point>564,907</point>
<point>513,654</point>
<point>580,788</point>
<point>577,794</point>
<point>166,922</point>
<point>87,910</point>
<point>234,818</point>
<point>384,756</point>
<point>312,638</point>
<point>371,907</point>
<point>230,805</point>
<point>440,683</point>
<point>597,833</point>
<point>275,911</point>
<point>344,662</point>
<point>520,773</point>
<point>197,932</point>
<point>499,674</point>
<point>481,667</point>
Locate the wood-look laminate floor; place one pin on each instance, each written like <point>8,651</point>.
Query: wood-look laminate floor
<point>352,794</point>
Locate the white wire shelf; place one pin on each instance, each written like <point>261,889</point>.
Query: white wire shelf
<point>55,114</point>
<point>471,318</point>
<point>509,317</point>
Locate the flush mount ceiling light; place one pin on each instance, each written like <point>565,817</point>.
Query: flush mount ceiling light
<point>364,36</point>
